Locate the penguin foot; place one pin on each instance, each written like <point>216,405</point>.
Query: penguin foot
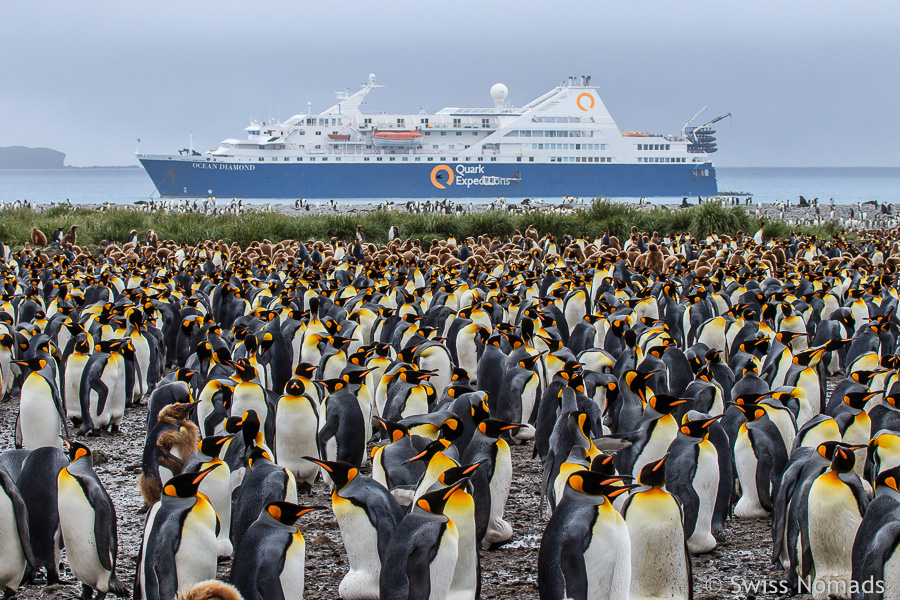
<point>143,510</point>
<point>87,592</point>
<point>304,488</point>
<point>116,587</point>
<point>8,594</point>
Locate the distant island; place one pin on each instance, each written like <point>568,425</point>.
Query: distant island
<point>20,157</point>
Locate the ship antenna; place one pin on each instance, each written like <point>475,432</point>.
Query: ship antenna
<point>190,141</point>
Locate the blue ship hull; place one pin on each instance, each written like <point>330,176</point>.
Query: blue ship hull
<point>198,178</point>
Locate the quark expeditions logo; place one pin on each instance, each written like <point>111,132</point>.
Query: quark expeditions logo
<point>442,176</point>
<point>585,101</point>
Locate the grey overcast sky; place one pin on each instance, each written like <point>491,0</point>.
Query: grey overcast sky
<point>809,82</point>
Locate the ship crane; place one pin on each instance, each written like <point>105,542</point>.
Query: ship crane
<point>702,139</point>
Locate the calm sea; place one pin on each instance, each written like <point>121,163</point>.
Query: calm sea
<point>124,186</point>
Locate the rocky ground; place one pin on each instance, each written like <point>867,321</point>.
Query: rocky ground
<point>508,572</point>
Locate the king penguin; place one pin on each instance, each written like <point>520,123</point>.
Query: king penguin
<point>829,521</point>
<point>367,515</point>
<point>660,561</point>
<point>586,550</point>
<point>179,541</point>
<point>422,551</point>
<point>87,518</point>
<point>875,560</point>
<point>15,543</point>
<point>270,562</point>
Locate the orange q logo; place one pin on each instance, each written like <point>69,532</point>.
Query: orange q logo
<point>587,98</point>
<point>437,174</point>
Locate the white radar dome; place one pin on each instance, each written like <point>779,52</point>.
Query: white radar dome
<point>371,77</point>
<point>499,92</point>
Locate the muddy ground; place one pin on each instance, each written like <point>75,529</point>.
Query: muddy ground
<point>508,572</point>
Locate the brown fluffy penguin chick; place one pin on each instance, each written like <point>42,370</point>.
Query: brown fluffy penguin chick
<point>211,590</point>
<point>177,438</point>
<point>71,237</point>
<point>655,259</point>
<point>38,239</point>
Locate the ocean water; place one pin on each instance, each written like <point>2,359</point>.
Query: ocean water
<point>847,185</point>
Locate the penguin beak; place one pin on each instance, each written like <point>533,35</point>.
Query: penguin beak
<point>202,474</point>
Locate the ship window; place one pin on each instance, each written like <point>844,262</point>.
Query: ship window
<point>261,159</point>
<point>457,122</point>
<point>540,146</point>
<point>425,122</point>
<point>318,133</point>
<point>418,158</point>
<point>459,133</point>
<point>443,133</point>
<point>338,159</point>
<point>667,146</point>
<point>365,158</point>
<point>312,158</point>
<point>518,159</point>
<point>367,121</point>
<point>391,159</point>
<point>455,158</point>
<point>430,159</point>
<point>530,159</point>
<point>493,159</point>
<point>378,158</point>
<point>286,159</point>
<point>299,159</point>
<point>400,121</point>
<point>485,122</point>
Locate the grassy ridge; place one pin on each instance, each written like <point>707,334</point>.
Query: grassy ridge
<point>600,216</point>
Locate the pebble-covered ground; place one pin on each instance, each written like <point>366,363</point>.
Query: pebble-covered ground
<point>507,572</point>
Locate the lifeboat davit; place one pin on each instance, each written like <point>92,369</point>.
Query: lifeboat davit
<point>404,139</point>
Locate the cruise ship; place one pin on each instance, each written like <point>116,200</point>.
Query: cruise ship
<point>564,143</point>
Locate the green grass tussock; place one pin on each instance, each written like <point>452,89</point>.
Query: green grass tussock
<point>600,216</point>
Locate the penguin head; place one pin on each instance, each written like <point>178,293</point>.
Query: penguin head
<point>604,463</point>
<point>184,375</point>
<point>250,426</point>
<point>258,453</point>
<point>305,370</point>
<point>889,479</point>
<point>393,431</point>
<point>34,364</point>
<point>863,376</point>
<point>356,377</point>
<point>454,475</point>
<point>654,473</point>
<point>186,484</point>
<point>341,473</point>
<point>751,411</point>
<point>844,458</point>
<point>233,424</point>
<point>451,429</point>
<point>698,428</point>
<point>592,483</point>
<point>76,450</point>
<point>332,385</point>
<point>494,428</point>
<point>287,513</point>
<point>244,370</point>
<point>809,358</point>
<point>529,361</point>
<point>438,445</point>
<point>434,502</point>
<point>479,408</point>
<point>294,387</point>
<point>826,449</point>
<point>664,403</point>
<point>858,400</point>
<point>212,446</point>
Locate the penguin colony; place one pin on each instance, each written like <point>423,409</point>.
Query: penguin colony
<point>665,386</point>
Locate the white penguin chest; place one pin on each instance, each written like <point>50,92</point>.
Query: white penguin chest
<point>38,417</point>
<point>76,519</point>
<point>294,564</point>
<point>12,559</point>
<point>195,560</point>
